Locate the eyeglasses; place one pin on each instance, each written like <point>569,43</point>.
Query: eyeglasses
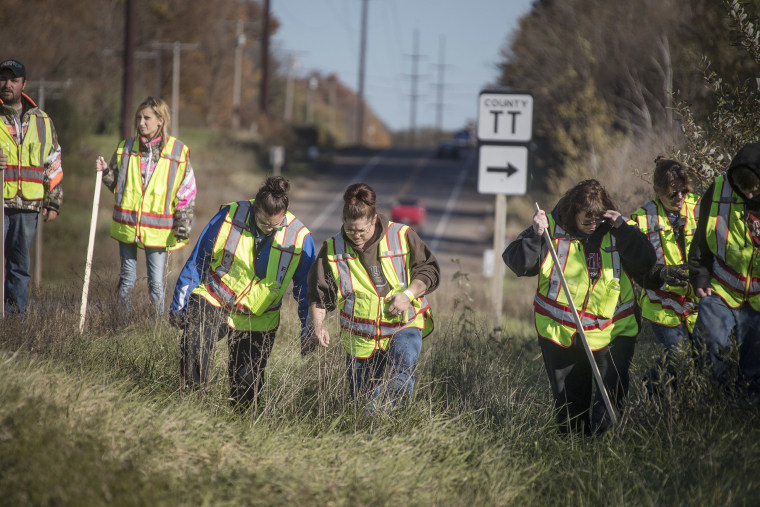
<point>358,232</point>
<point>594,222</point>
<point>676,193</point>
<point>268,227</point>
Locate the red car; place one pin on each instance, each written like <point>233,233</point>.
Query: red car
<point>409,210</point>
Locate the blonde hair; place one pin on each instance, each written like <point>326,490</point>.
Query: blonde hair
<point>161,109</point>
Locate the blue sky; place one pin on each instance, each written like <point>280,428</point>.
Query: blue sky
<point>323,35</point>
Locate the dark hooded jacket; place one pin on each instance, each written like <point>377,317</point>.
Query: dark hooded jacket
<point>700,255</point>
<point>524,254</point>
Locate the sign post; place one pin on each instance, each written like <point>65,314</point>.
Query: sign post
<point>505,125</point>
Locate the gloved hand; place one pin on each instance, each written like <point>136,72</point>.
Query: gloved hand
<point>181,232</point>
<point>676,276</point>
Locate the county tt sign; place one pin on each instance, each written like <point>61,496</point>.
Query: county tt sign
<point>505,117</point>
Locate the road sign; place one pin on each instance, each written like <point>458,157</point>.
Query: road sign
<point>505,117</point>
<point>502,169</point>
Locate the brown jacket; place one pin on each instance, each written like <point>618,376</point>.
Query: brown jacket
<point>424,267</point>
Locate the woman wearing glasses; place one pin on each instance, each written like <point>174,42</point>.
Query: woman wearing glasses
<point>377,274</point>
<point>233,283</point>
<point>600,252</point>
<point>668,301</point>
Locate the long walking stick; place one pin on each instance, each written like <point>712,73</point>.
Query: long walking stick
<point>581,333</point>
<point>90,248</point>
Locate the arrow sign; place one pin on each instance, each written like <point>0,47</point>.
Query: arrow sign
<point>510,169</point>
<point>502,169</point>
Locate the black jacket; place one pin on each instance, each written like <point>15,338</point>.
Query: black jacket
<point>700,255</point>
<point>524,254</point>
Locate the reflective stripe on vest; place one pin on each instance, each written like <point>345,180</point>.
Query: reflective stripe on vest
<point>365,332</point>
<point>736,276</point>
<point>26,163</point>
<point>606,306</point>
<point>668,305</point>
<point>231,279</point>
<point>146,215</point>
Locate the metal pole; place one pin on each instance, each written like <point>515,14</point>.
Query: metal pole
<point>90,247</point>
<point>581,333</point>
<point>497,286</point>
<point>38,232</point>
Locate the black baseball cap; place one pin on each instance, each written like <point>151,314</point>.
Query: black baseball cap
<point>14,66</point>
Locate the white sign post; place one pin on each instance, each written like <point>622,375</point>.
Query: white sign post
<point>505,129</point>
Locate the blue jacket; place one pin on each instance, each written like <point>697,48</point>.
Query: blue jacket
<point>196,268</point>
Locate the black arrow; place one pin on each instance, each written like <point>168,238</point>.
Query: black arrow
<point>510,169</point>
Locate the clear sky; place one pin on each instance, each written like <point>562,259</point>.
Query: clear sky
<point>324,35</point>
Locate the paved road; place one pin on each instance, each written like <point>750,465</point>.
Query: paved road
<point>459,219</point>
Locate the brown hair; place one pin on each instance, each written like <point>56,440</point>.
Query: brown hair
<point>589,196</point>
<point>359,202</point>
<point>162,112</point>
<point>669,174</point>
<point>272,197</point>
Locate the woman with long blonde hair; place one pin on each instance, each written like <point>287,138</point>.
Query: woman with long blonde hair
<point>154,190</point>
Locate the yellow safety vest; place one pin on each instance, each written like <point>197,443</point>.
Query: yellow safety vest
<point>146,216</point>
<point>26,163</point>
<point>668,305</point>
<point>606,306</point>
<point>363,312</point>
<point>736,264</point>
<point>231,282</point>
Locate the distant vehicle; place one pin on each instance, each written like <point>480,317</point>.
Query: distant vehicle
<point>464,138</point>
<point>409,210</point>
<point>447,149</point>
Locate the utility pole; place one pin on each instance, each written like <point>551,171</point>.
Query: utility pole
<point>176,48</point>
<point>128,76</point>
<point>292,64</point>
<point>264,95</point>
<point>360,89</point>
<point>415,56</point>
<point>238,75</point>
<point>440,86</point>
<point>313,84</point>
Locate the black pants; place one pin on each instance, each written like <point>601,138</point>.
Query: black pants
<point>205,324</point>
<point>572,381</point>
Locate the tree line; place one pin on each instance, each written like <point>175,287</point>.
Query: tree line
<point>607,72</point>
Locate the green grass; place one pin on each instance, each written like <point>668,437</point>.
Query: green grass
<point>100,419</point>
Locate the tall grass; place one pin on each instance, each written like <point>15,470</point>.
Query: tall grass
<point>101,418</point>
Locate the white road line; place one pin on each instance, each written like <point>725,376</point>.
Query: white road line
<point>444,221</point>
<point>337,201</point>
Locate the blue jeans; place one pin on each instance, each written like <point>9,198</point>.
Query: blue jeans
<point>670,337</point>
<point>19,228</point>
<point>155,259</point>
<point>716,323</point>
<point>365,375</point>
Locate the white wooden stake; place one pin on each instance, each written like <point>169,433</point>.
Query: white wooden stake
<point>90,248</point>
